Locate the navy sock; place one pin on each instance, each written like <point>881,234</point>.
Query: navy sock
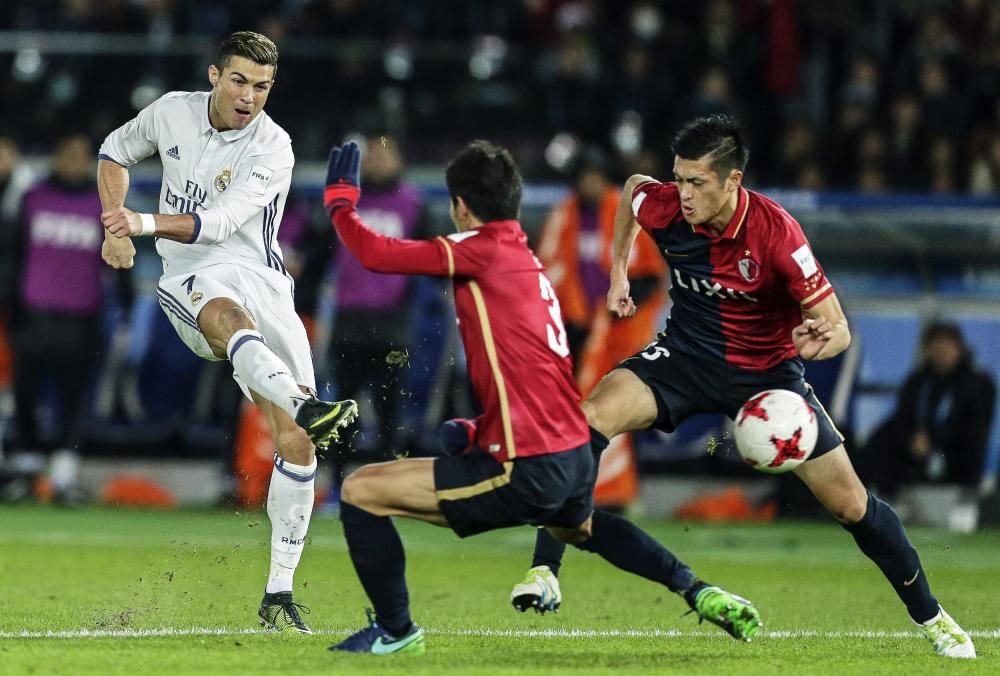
<point>549,551</point>
<point>377,554</point>
<point>628,547</point>
<point>881,537</point>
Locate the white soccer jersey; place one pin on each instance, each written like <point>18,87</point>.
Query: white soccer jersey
<point>234,182</point>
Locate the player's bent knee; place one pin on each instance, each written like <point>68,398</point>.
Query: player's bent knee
<point>235,318</point>
<point>849,509</point>
<point>572,536</point>
<point>353,491</point>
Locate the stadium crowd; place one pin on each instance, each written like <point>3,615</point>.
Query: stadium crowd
<point>872,96</point>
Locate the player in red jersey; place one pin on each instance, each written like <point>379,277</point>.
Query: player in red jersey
<point>750,302</point>
<point>532,462</point>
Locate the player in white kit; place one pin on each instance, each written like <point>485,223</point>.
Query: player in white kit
<point>227,169</point>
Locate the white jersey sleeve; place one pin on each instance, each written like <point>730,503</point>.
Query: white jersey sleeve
<point>258,180</point>
<point>133,141</point>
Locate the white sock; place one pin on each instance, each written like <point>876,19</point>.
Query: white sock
<point>289,506</point>
<point>261,370</point>
<point>63,468</point>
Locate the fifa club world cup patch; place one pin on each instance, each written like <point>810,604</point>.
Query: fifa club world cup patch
<point>223,180</point>
<point>803,257</point>
<point>749,269</point>
<point>259,177</point>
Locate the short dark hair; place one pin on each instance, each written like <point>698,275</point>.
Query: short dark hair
<point>486,177</point>
<point>938,330</point>
<point>253,46</point>
<point>717,137</point>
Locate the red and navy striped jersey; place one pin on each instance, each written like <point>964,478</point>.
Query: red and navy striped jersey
<point>736,296</point>
<point>511,327</point>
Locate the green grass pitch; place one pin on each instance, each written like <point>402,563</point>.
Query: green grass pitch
<point>101,591</point>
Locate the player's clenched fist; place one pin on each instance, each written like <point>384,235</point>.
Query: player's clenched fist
<point>121,222</point>
<point>343,177</point>
<point>118,253</point>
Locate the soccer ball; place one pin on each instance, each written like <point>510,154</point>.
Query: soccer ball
<point>775,431</point>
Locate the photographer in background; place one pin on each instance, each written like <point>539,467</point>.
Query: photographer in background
<point>941,424</point>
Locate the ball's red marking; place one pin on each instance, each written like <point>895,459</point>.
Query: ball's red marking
<point>754,409</point>
<point>788,449</point>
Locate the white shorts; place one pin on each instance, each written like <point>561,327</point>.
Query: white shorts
<point>184,295</point>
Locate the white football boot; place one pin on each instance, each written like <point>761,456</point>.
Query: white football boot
<point>948,638</point>
<point>539,590</point>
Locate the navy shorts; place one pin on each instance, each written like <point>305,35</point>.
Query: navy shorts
<point>478,494</point>
<point>685,385</point>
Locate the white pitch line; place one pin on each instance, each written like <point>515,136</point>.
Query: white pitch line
<point>169,632</point>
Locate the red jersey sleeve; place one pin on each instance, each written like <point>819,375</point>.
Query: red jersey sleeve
<point>468,253</point>
<point>798,267</point>
<point>655,204</point>
<point>379,253</point>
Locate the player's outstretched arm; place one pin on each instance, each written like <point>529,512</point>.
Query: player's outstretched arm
<point>112,185</point>
<point>626,229</point>
<point>375,251</point>
<point>823,332</point>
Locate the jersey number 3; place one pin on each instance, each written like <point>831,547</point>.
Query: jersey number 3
<point>555,331</point>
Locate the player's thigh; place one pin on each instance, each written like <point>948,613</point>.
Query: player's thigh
<point>284,333</point>
<point>833,481</point>
<point>183,298</point>
<point>395,488</point>
<point>621,402</point>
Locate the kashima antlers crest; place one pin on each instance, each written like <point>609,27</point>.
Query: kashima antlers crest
<point>749,269</point>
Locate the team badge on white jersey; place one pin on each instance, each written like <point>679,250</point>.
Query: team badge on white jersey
<point>223,180</point>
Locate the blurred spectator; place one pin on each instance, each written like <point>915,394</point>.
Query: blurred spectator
<point>643,89</point>
<point>984,176</point>
<point>371,332</point>
<point>575,247</point>
<point>906,143</point>
<point>798,149</point>
<point>943,108</point>
<point>862,85</point>
<point>572,87</point>
<point>810,177</point>
<point>713,94</point>
<point>942,166</point>
<point>941,424</point>
<point>58,308</point>
<point>872,179</point>
<point>15,178</point>
<point>605,70</point>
